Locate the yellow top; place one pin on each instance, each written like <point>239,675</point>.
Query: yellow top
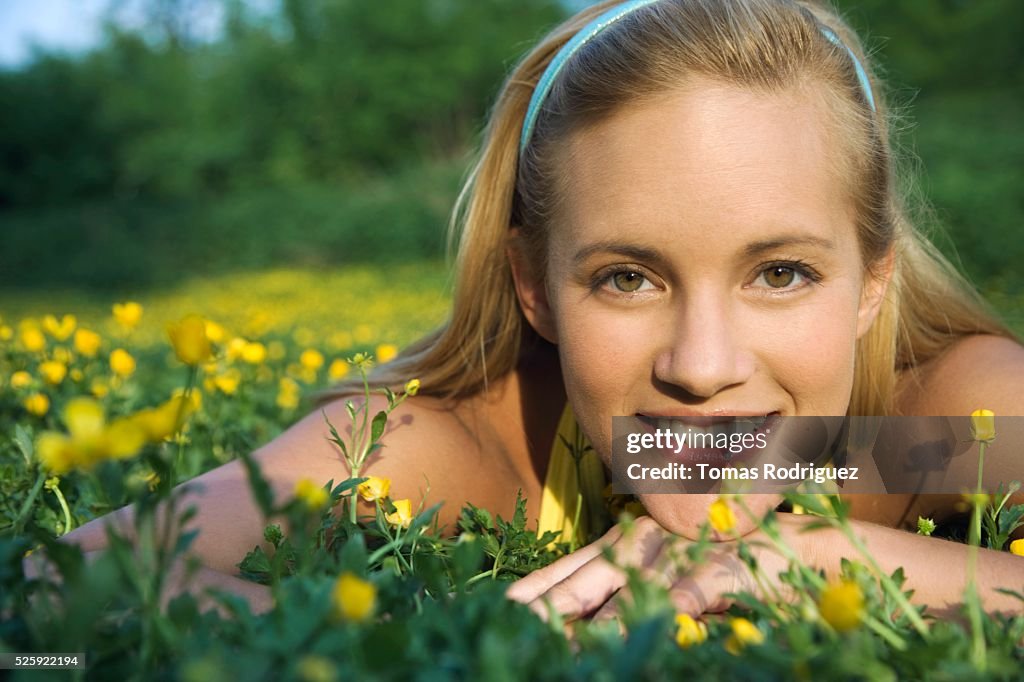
<point>574,473</point>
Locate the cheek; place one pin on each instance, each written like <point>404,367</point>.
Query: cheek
<point>814,360</point>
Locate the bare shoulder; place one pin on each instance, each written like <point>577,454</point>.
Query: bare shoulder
<point>433,451</point>
<point>977,371</point>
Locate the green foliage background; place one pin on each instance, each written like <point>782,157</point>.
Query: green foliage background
<point>319,133</point>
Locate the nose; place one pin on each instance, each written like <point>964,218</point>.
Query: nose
<point>707,352</point>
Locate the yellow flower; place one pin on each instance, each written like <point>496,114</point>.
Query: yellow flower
<point>227,383</point>
<point>311,359</point>
<point>235,346</point>
<point>254,353</point>
<point>721,516</point>
<point>214,332</point>
<point>53,372</point>
<point>21,379</point>
<point>338,370</point>
<point>287,394</point>
<point>744,633</point>
<point>362,360</point>
<point>32,339</point>
<point>87,342</point>
<point>122,363</point>
<point>99,387</point>
<point>402,515</point>
<point>374,488</point>
<point>37,404</point>
<point>386,352</point>
<point>312,495</point>
<point>689,631</point>
<point>1017,547</point>
<point>163,421</point>
<point>61,330</point>
<point>842,605</point>
<point>313,668</point>
<point>127,314</point>
<point>189,339</point>
<point>983,426</point>
<point>354,598</point>
<point>89,438</point>
<point>6,333</point>
<point>413,387</point>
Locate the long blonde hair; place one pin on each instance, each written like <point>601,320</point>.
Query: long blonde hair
<point>766,45</point>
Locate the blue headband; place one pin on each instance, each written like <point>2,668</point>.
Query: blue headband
<point>606,19</point>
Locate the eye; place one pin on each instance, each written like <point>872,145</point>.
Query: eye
<point>627,281</point>
<point>785,276</point>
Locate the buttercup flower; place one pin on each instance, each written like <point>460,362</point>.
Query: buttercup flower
<point>925,526</point>
<point>842,605</point>
<point>402,515</point>
<point>413,387</point>
<point>21,379</point>
<point>721,516</point>
<point>99,388</point>
<point>311,495</point>
<point>87,342</point>
<point>744,634</point>
<point>37,404</point>
<point>89,439</point>
<point>311,359</point>
<point>689,632</point>
<point>983,426</point>
<point>6,333</point>
<point>162,422</point>
<point>287,394</point>
<point>337,370</point>
<point>362,360</point>
<point>188,337</point>
<point>32,339</point>
<point>122,363</point>
<point>354,598</point>
<point>127,314</point>
<point>60,330</point>
<point>386,352</point>
<point>214,332</point>
<point>53,372</point>
<point>374,488</point>
<point>313,668</point>
<point>227,382</point>
<point>254,353</point>
<point>1017,547</point>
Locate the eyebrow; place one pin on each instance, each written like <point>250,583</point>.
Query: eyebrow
<point>644,253</point>
<point>759,247</point>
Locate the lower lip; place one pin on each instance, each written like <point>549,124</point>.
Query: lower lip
<point>714,457</point>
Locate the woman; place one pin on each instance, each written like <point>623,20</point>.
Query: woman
<point>698,219</point>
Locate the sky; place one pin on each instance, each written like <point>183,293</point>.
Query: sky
<point>75,25</point>
<point>67,25</point>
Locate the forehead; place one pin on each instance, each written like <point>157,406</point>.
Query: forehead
<point>720,157</point>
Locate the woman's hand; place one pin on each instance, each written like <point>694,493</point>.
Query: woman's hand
<point>585,584</point>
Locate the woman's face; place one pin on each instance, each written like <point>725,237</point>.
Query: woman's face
<point>704,263</point>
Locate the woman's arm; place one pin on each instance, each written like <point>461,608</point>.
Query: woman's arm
<point>584,583</point>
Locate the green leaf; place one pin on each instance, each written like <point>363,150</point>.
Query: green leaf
<point>377,428</point>
<point>259,486</point>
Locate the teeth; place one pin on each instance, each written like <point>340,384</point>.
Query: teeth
<point>737,425</point>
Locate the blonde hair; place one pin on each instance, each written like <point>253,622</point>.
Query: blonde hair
<point>767,45</point>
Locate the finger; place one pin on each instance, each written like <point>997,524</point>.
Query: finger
<point>527,589</point>
<point>703,590</point>
<point>582,592</point>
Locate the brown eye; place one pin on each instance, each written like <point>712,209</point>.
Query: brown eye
<point>628,281</point>
<point>779,276</point>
